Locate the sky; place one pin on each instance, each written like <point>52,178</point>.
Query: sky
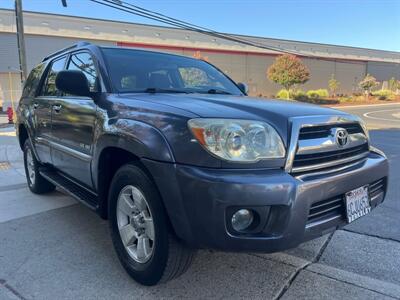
<point>361,23</point>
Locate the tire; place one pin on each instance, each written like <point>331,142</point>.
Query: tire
<point>168,257</point>
<point>36,183</point>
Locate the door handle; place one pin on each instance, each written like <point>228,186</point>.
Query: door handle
<point>35,105</point>
<point>57,108</point>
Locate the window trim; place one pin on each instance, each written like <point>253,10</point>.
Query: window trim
<point>95,62</point>
<point>43,80</point>
<point>33,90</point>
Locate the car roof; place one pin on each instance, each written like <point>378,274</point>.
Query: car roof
<point>87,45</point>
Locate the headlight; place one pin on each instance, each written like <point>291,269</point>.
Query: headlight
<point>364,127</point>
<point>238,140</point>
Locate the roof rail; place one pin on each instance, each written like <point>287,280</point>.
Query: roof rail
<point>77,45</point>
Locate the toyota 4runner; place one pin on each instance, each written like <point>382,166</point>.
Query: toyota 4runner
<point>176,156</point>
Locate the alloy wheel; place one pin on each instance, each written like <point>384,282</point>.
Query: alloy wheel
<point>30,165</point>
<point>135,224</point>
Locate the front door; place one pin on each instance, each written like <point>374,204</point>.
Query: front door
<point>42,110</point>
<point>73,121</point>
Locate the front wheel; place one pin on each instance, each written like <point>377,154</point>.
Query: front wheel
<point>145,244</point>
<point>36,183</point>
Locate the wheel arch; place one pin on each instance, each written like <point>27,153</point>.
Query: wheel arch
<point>22,133</point>
<point>114,150</point>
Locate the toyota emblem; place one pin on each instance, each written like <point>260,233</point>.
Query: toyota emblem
<point>341,137</point>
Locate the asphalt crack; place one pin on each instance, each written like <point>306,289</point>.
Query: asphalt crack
<point>372,235</point>
<point>293,277</point>
<point>12,290</point>
<point>288,284</point>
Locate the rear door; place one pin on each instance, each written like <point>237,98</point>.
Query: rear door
<point>42,108</point>
<point>73,121</point>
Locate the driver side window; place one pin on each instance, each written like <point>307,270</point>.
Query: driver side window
<point>83,61</point>
<point>49,88</point>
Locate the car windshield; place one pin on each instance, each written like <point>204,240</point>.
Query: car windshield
<point>133,71</point>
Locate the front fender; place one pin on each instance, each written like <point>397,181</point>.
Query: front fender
<point>138,138</point>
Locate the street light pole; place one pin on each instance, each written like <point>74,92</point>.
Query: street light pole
<point>21,40</point>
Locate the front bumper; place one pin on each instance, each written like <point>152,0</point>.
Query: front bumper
<point>199,202</point>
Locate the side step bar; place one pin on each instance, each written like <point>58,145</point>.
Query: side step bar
<point>77,191</point>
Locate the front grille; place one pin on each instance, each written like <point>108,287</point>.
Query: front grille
<point>331,208</point>
<point>328,155</point>
<point>324,157</point>
<point>316,132</point>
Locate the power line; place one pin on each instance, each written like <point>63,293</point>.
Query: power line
<point>203,29</point>
<point>145,13</point>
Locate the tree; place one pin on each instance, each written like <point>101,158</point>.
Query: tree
<point>367,84</point>
<point>393,84</point>
<point>333,85</point>
<point>288,70</point>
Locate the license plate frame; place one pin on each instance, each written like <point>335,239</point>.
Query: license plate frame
<point>358,203</point>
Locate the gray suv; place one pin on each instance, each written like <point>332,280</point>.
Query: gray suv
<point>176,156</point>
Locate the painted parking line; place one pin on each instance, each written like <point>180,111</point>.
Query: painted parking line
<point>10,133</point>
<point>364,105</point>
<point>395,115</point>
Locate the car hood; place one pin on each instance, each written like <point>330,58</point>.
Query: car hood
<point>230,106</point>
<point>276,112</point>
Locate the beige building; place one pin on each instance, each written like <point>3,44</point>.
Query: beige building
<point>46,33</point>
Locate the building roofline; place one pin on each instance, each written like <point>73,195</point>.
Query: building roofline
<point>176,28</point>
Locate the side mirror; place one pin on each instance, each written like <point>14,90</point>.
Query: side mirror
<point>243,87</point>
<point>73,82</point>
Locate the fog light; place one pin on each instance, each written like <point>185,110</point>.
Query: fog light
<point>242,219</point>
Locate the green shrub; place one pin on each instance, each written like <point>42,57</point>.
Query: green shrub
<point>299,95</point>
<point>283,94</point>
<point>318,94</point>
<point>345,99</point>
<point>384,94</point>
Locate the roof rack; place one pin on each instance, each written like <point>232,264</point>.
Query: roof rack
<point>77,45</point>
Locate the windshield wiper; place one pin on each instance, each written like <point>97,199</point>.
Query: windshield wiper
<point>158,90</point>
<point>215,91</point>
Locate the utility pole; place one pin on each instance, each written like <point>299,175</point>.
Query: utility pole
<point>21,39</point>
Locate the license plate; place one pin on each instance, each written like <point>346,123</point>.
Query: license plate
<point>357,203</point>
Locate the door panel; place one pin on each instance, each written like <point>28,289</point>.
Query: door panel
<point>42,120</point>
<point>73,121</point>
<point>42,111</point>
<point>72,129</point>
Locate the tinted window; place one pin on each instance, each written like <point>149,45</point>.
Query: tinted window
<point>33,80</point>
<point>49,88</point>
<point>84,62</point>
<point>137,71</point>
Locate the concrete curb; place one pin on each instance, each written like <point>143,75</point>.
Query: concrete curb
<point>382,287</point>
<point>364,105</point>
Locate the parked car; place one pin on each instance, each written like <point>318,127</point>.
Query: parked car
<point>177,157</point>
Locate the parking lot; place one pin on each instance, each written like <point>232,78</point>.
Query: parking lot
<point>52,247</point>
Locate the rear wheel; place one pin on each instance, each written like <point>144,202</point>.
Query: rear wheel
<point>141,234</point>
<point>36,182</point>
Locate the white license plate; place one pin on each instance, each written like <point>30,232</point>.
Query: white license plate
<point>357,203</point>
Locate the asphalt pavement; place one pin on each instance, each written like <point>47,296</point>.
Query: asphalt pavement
<point>52,247</point>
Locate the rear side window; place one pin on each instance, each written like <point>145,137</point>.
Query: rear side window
<point>83,61</point>
<point>32,83</point>
<point>49,88</point>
